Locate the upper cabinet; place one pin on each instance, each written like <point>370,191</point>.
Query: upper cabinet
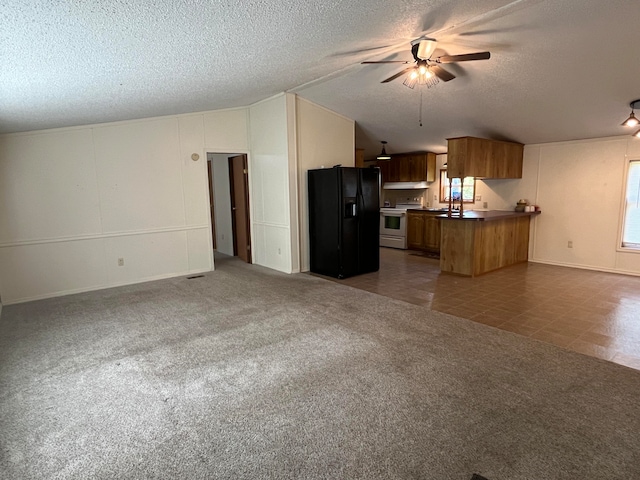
<point>409,167</point>
<point>483,158</point>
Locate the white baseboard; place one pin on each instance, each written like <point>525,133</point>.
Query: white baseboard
<point>103,287</point>
<point>586,267</point>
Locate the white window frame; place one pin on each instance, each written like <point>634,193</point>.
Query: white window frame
<point>623,209</point>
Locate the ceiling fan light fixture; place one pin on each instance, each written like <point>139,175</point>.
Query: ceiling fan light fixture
<point>412,79</point>
<point>637,134</point>
<point>428,79</point>
<point>383,154</point>
<point>632,121</point>
<point>421,75</point>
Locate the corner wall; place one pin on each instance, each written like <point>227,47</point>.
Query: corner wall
<point>269,184</point>
<point>324,139</point>
<point>580,191</point>
<point>74,201</point>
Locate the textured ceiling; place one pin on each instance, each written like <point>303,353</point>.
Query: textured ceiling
<point>558,71</point>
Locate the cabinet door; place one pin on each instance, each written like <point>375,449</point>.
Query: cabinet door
<point>481,160</point>
<point>394,171</point>
<point>456,157</point>
<point>513,155</point>
<point>431,167</point>
<point>415,230</point>
<point>403,163</point>
<point>384,170</point>
<point>432,233</point>
<point>418,168</point>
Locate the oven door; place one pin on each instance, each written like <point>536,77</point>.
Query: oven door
<point>393,224</point>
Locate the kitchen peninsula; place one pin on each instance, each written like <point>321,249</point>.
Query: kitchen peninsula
<point>482,241</point>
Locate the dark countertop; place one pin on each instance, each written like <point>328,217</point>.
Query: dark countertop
<point>488,215</point>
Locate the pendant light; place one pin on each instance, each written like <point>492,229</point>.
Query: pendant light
<point>383,155</point>
<point>632,121</point>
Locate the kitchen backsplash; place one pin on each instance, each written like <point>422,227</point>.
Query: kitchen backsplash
<point>405,196</point>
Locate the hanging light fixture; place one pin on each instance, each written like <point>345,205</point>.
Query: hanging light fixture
<point>637,134</point>
<point>383,155</point>
<point>632,121</point>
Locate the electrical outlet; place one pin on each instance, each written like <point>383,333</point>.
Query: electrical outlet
<point>485,205</point>
<point>570,244</point>
<point>121,262</point>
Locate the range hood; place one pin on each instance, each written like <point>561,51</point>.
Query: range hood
<point>405,185</point>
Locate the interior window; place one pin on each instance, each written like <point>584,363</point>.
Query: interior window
<point>631,226</point>
<point>467,188</point>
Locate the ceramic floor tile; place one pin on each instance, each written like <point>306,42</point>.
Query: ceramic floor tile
<point>592,350</point>
<point>553,338</point>
<point>594,313</point>
<point>628,360</point>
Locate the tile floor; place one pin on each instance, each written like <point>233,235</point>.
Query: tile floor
<point>593,313</point>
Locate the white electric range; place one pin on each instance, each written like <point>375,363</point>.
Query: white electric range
<point>393,225</point>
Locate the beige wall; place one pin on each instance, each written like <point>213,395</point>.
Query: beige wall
<point>324,139</point>
<point>75,200</point>
<point>269,180</point>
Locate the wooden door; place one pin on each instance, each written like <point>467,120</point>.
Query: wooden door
<point>239,185</point>
<point>211,204</point>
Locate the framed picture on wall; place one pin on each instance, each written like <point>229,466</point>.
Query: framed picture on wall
<point>465,188</point>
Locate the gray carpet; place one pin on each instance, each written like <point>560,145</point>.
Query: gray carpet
<point>247,374</point>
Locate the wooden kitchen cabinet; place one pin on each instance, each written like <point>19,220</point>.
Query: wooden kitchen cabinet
<point>423,231</point>
<point>483,158</point>
<point>415,231</point>
<point>481,242</point>
<point>409,167</point>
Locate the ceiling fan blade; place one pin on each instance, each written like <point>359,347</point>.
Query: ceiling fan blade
<point>464,57</point>
<point>389,61</point>
<point>441,73</point>
<point>399,74</point>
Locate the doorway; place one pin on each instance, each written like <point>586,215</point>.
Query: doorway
<point>229,209</point>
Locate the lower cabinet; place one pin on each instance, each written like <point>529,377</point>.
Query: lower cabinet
<point>423,231</point>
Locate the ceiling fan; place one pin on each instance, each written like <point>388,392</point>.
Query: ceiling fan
<point>427,70</point>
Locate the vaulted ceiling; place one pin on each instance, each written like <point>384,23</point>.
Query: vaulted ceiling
<point>559,70</point>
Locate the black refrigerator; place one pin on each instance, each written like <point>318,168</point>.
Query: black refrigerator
<point>344,220</point>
